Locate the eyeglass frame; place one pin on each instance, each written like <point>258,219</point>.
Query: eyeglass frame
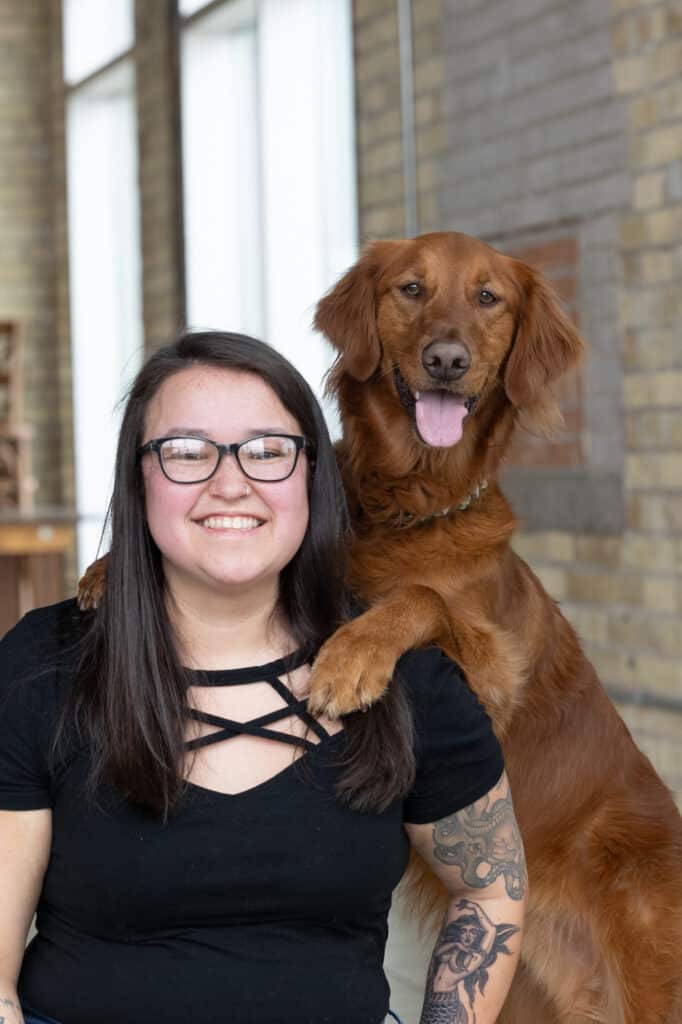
<point>301,443</point>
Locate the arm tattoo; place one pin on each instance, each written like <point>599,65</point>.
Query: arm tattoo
<point>12,1005</point>
<point>467,946</point>
<point>484,841</point>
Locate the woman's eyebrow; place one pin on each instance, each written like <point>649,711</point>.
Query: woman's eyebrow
<point>186,432</point>
<point>199,432</point>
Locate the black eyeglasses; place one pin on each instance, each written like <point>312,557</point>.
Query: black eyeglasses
<point>266,458</point>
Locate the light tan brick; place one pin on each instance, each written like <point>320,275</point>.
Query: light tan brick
<point>377,32</point>
<point>553,580</point>
<point>383,188</point>
<point>363,9</point>
<point>657,266</point>
<point>431,140</point>
<point>648,429</point>
<point>384,221</point>
<point>629,73</point>
<point>659,146</point>
<point>427,175</point>
<point>641,470</point>
<point>547,546</point>
<point>664,62</point>
<point>657,513</point>
<point>657,227</point>
<point>663,675</point>
<point>604,588</point>
<point>427,204</point>
<point>628,5</point>
<point>428,74</point>
<point>655,389</point>
<point>653,554</point>
<point>595,550</point>
<point>646,111</point>
<point>385,156</point>
<point>591,624</point>
<point>649,190</point>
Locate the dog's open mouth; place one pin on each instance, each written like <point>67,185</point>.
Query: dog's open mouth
<point>438,414</point>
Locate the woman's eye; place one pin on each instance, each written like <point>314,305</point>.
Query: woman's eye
<point>412,288</point>
<point>486,297</point>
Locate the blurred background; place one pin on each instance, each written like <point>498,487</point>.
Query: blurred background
<point>166,162</point>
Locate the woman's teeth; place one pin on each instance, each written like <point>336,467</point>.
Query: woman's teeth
<point>231,523</point>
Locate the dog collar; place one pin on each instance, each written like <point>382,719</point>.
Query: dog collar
<point>405,520</point>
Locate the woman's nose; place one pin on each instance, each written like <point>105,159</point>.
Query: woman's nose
<point>228,478</point>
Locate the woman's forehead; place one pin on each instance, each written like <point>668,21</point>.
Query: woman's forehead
<point>207,398</point>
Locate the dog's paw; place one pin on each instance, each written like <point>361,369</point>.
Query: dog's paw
<point>352,670</point>
<point>91,585</point>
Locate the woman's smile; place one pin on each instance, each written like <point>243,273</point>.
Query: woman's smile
<point>230,524</point>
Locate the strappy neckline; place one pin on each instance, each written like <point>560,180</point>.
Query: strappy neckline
<point>250,673</point>
<point>227,728</point>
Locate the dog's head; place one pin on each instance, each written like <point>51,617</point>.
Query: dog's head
<point>445,321</point>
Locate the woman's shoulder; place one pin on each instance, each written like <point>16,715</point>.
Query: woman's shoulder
<point>44,622</point>
<point>458,756</point>
<point>32,646</point>
<point>445,708</point>
<point>427,671</point>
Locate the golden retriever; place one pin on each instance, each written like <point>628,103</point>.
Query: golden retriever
<point>443,345</point>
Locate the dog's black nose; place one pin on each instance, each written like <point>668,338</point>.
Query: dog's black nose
<point>446,360</point>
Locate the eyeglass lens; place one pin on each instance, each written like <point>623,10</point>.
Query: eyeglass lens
<point>191,459</point>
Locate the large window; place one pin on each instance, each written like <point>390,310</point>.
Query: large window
<point>104,243</point>
<point>268,166</point>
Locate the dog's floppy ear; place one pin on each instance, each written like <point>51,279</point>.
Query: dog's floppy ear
<point>546,345</point>
<point>347,314</point>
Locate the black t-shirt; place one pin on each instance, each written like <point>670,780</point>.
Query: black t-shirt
<point>267,906</point>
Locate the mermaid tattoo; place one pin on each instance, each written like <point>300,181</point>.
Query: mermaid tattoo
<point>468,945</point>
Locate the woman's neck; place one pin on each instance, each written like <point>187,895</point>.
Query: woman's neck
<point>227,631</point>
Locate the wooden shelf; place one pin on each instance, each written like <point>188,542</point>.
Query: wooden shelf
<point>33,547</point>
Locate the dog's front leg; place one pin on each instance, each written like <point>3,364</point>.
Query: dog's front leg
<point>356,664</point>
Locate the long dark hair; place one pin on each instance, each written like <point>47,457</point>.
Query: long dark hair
<point>128,701</point>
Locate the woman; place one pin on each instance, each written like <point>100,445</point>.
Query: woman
<point>198,846</point>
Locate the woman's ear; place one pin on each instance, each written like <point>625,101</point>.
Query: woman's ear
<point>347,314</point>
<point>546,344</point>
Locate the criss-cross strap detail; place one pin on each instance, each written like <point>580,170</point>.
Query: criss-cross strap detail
<point>226,728</point>
<point>298,707</point>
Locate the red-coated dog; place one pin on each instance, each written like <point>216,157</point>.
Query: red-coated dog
<point>443,345</point>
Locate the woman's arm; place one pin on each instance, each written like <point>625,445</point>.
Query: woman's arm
<point>25,838</point>
<point>478,856</point>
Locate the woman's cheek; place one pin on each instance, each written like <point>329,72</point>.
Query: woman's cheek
<point>166,508</point>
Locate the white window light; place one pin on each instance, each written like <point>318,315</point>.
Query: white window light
<point>104,267</point>
<point>269,168</point>
<point>187,7</point>
<point>95,32</point>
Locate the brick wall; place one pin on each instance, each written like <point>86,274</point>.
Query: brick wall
<point>27,191</point>
<point>543,123</point>
<point>379,127</point>
<point>378,108</point>
<point>61,333</point>
<point>159,161</point>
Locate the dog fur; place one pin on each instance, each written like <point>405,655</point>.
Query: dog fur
<point>603,837</point>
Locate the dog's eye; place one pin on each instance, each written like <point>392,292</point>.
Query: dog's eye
<point>486,297</point>
<point>412,288</point>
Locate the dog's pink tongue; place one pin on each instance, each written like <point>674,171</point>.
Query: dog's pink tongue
<point>440,418</point>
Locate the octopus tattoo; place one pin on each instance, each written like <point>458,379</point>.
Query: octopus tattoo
<point>483,840</point>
